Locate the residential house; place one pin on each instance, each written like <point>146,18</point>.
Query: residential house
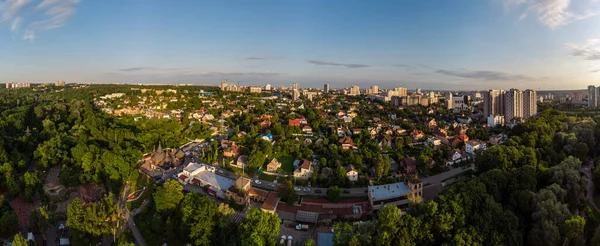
<point>461,129</point>
<point>267,137</point>
<point>417,134</point>
<point>208,117</point>
<point>346,143</point>
<point>241,161</point>
<point>409,165</point>
<point>351,173</point>
<point>239,191</point>
<point>347,119</point>
<point>273,165</point>
<point>295,122</point>
<point>434,141</point>
<point>431,124</point>
<point>232,151</point>
<point>385,141</point>
<point>473,145</point>
<point>497,139</point>
<point>307,129</point>
<point>304,171</point>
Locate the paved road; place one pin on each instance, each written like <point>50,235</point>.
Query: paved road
<point>437,179</point>
<point>139,239</point>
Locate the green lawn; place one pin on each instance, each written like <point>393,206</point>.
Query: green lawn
<point>287,163</point>
<point>267,177</point>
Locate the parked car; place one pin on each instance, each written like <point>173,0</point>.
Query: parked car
<point>346,191</point>
<point>302,227</point>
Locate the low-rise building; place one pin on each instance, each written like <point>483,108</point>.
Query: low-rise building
<point>410,165</point>
<point>397,194</point>
<point>304,171</point>
<point>273,165</point>
<point>473,145</point>
<point>351,173</point>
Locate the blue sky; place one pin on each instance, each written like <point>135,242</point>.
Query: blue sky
<point>539,44</point>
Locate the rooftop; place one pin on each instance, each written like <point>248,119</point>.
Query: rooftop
<point>383,192</point>
<point>212,179</point>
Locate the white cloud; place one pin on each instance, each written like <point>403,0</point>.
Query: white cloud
<point>10,9</point>
<point>16,24</point>
<point>555,13</point>
<point>39,16</point>
<point>29,35</point>
<point>57,13</point>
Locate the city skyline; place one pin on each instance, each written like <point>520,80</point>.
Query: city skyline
<point>552,45</point>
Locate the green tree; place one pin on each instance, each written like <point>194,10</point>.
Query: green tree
<point>387,224</point>
<point>260,228</point>
<point>287,192</point>
<point>574,227</point>
<point>19,240</point>
<point>169,196</point>
<point>309,242</point>
<point>199,214</point>
<point>333,193</point>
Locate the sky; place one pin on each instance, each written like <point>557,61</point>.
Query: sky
<point>443,45</point>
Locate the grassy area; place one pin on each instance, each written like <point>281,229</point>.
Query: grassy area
<point>239,171</point>
<point>287,163</point>
<point>267,177</point>
<point>142,181</point>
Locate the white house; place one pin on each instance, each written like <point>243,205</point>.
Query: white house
<point>474,145</point>
<point>351,173</point>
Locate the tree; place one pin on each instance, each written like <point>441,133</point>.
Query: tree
<point>309,242</point>
<point>387,224</point>
<point>8,220</point>
<point>333,193</point>
<point>574,227</point>
<point>256,160</point>
<point>287,192</point>
<point>382,166</point>
<point>260,228</point>
<point>199,214</point>
<point>169,196</point>
<point>19,240</point>
<point>342,233</point>
<point>39,220</point>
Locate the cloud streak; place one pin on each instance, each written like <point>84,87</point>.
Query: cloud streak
<point>47,15</point>
<point>348,65</point>
<point>589,51</point>
<point>483,75</point>
<point>555,13</point>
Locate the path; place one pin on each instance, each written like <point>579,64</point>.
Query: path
<point>587,170</point>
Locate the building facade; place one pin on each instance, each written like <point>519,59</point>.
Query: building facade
<point>592,97</point>
<point>493,102</point>
<point>513,105</point>
<point>529,104</point>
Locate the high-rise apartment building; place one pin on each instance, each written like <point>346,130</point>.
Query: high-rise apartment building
<point>295,94</point>
<point>267,87</point>
<point>592,97</point>
<point>449,100</point>
<point>294,86</point>
<point>326,88</point>
<point>354,90</point>
<point>513,105</point>
<point>529,104</point>
<point>224,85</point>
<point>493,102</point>
<point>374,90</point>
